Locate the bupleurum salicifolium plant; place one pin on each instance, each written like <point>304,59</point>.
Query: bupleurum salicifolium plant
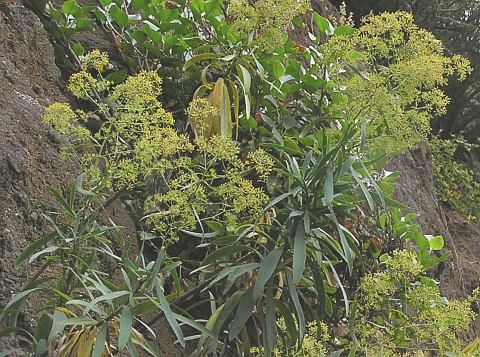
<point>404,69</point>
<point>202,178</point>
<point>400,308</point>
<point>267,18</point>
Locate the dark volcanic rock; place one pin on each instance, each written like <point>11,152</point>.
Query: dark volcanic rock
<point>459,275</point>
<point>29,153</point>
<point>28,156</point>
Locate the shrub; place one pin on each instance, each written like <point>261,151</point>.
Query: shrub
<point>248,165</point>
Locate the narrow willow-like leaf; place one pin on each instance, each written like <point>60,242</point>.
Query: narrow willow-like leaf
<point>169,315</point>
<point>244,311</point>
<point>126,323</point>
<point>292,289</point>
<point>223,252</point>
<point>20,297</point>
<point>364,189</point>
<point>266,271</point>
<point>328,186</point>
<point>107,297</point>
<point>270,320</point>
<point>27,252</point>
<point>99,346</point>
<point>299,252</point>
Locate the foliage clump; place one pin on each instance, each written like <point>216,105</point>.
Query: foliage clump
<point>268,18</point>
<point>138,142</point>
<point>404,68</point>
<point>398,310</point>
<point>455,184</point>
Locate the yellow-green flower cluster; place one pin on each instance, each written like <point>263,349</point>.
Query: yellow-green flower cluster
<point>445,321</point>
<point>81,84</point>
<point>375,288</point>
<point>139,92</point>
<point>261,162</point>
<point>95,60</point>
<point>140,133</point>
<point>155,149</point>
<point>220,148</point>
<point>406,69</point>
<point>201,114</point>
<point>268,18</point>
<point>64,120</point>
<point>176,210</point>
<point>314,341</point>
<point>138,146</point>
<point>241,198</point>
<point>395,300</point>
<point>404,264</point>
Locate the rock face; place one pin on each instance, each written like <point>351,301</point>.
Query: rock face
<point>459,275</point>
<point>28,151</point>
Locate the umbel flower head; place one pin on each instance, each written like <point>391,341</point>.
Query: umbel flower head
<point>64,120</point>
<point>267,18</point>
<point>95,60</point>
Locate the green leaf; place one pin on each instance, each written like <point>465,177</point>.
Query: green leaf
<point>278,69</point>
<point>265,272</point>
<point>50,249</point>
<point>292,289</point>
<point>235,272</point>
<point>199,327</point>
<point>322,24</point>
<point>44,325</point>
<point>364,189</point>
<point>199,58</point>
<point>270,320</point>
<point>319,286</point>
<point>83,24</point>
<point>299,252</point>
<point>78,321</point>
<point>244,311</point>
<point>169,315</point>
<point>246,82</point>
<point>70,7</point>
<point>344,31</point>
<point>223,253</point>
<point>78,49</point>
<point>145,307</point>
<point>435,242</point>
<point>287,315</point>
<point>328,186</point>
<point>246,78</point>
<point>27,252</point>
<point>278,199</point>
<point>223,312</point>
<point>100,341</point>
<point>107,297</point>
<point>61,200</point>
<point>120,17</point>
<point>126,323</point>
<point>225,113</point>
<point>20,297</point>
